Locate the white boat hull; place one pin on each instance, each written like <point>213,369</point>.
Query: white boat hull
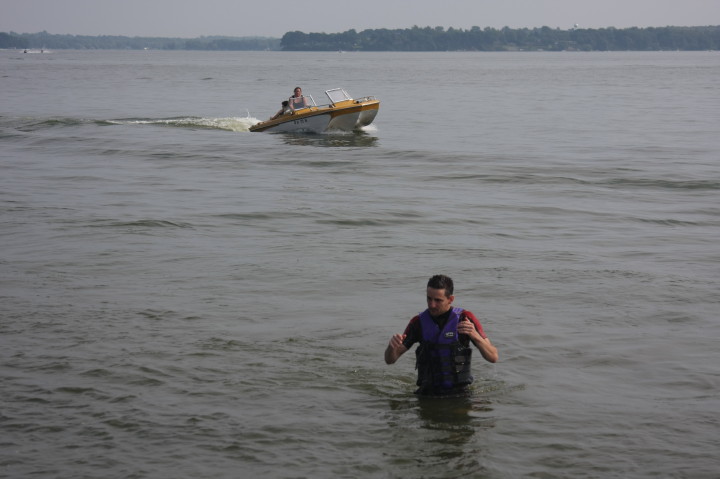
<point>312,124</point>
<point>367,117</point>
<point>344,121</point>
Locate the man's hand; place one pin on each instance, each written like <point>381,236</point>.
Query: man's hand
<point>395,348</point>
<point>468,328</point>
<point>488,351</point>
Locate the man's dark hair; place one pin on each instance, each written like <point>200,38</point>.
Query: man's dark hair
<point>440,281</point>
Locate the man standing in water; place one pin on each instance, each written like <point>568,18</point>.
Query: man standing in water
<point>444,334</point>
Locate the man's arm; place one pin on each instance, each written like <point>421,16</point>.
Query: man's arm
<point>401,343</point>
<point>471,326</point>
<point>395,348</point>
<point>488,351</point>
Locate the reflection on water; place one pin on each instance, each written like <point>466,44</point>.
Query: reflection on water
<point>450,413</point>
<point>473,409</point>
<point>443,436</point>
<point>447,413</point>
<point>353,139</point>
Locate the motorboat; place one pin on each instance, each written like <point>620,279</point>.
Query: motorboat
<point>343,113</point>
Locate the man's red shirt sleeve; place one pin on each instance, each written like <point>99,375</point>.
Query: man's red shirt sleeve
<point>471,317</point>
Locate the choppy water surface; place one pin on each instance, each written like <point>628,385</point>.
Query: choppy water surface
<point>183,298</point>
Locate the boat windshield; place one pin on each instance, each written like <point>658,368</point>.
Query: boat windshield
<point>337,95</point>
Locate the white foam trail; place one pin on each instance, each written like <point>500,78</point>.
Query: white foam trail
<point>232,123</point>
<point>229,123</point>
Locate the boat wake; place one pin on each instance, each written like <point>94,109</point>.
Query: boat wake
<point>193,122</point>
<point>235,124</point>
<point>229,124</point>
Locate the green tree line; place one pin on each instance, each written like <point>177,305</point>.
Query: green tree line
<point>491,39</point>
<point>409,39</point>
<point>106,42</point>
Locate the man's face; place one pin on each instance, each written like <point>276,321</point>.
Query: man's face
<point>437,302</point>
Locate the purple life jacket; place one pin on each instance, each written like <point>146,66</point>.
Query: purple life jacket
<point>442,360</point>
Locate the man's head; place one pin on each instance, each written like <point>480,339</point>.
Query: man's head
<point>440,294</point>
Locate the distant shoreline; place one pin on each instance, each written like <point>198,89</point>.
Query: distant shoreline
<point>410,39</point>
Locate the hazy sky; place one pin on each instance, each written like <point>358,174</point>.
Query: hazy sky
<point>194,18</point>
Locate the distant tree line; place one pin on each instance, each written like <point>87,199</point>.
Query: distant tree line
<point>409,39</point>
<point>491,39</point>
<point>106,42</point>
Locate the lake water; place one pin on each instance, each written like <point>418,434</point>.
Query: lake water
<point>183,299</point>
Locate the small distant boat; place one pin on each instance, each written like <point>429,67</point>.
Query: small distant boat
<point>343,113</point>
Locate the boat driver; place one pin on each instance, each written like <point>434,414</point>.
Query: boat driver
<point>297,101</point>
